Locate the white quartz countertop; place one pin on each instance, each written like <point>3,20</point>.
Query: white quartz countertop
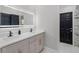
<point>11,40</point>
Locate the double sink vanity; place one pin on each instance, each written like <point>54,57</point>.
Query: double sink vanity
<point>29,42</point>
<point>14,20</point>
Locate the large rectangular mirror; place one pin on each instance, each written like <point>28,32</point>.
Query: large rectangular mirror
<point>10,15</point>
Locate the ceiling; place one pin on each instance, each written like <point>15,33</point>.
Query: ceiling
<point>30,8</point>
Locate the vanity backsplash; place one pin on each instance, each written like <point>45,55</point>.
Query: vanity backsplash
<point>4,32</point>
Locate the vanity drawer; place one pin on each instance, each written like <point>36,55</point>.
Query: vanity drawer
<point>19,47</point>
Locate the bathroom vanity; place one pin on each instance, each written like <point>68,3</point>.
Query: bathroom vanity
<point>30,42</point>
<point>14,20</point>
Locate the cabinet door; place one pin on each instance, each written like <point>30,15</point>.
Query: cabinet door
<point>19,47</point>
<point>23,46</point>
<point>33,45</point>
<point>40,42</point>
<point>36,43</point>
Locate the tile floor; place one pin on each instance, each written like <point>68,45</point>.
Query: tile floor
<point>62,48</point>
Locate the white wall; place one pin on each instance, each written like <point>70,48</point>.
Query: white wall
<point>29,8</point>
<point>48,18</point>
<point>28,19</point>
<point>66,8</point>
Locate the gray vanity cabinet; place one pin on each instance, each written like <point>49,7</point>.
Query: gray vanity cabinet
<point>32,44</point>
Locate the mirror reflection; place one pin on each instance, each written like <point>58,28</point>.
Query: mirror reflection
<point>10,15</point>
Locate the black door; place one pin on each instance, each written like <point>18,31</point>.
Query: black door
<point>66,28</point>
